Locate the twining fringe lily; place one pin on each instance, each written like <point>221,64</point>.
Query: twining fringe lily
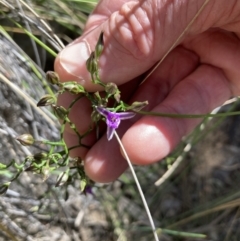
<point>113,119</point>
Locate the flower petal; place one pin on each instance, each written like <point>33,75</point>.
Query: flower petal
<point>110,132</point>
<point>103,111</point>
<point>126,115</point>
<point>113,120</point>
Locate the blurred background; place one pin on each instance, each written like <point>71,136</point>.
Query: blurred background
<point>193,194</point>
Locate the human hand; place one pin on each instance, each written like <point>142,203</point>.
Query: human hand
<point>199,74</point>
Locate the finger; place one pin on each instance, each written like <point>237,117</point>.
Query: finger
<point>221,49</point>
<point>136,37</point>
<point>79,147</point>
<point>152,138</point>
<point>80,116</point>
<point>177,65</point>
<point>199,93</point>
<point>104,162</point>
<point>79,113</point>
<point>102,12</point>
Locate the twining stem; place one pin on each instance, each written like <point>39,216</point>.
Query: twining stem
<point>139,187</point>
<point>51,143</point>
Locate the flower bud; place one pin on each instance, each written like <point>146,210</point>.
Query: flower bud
<point>99,46</point>
<point>88,190</point>
<point>25,139</point>
<point>117,96</point>
<point>111,88</point>
<point>73,87</point>
<point>91,63</point>
<point>4,187</point>
<point>60,111</point>
<point>40,156</point>
<point>137,106</point>
<point>95,116</point>
<point>31,168</point>
<point>83,183</point>
<point>52,77</point>
<point>46,100</point>
<point>45,172</point>
<point>62,178</point>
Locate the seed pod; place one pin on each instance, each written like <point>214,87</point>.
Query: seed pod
<point>60,111</point>
<point>46,100</point>
<point>111,88</point>
<point>31,168</point>
<point>91,64</point>
<point>137,106</point>
<point>95,116</point>
<point>73,87</point>
<point>40,156</point>
<point>62,178</point>
<point>52,77</point>
<point>117,96</point>
<point>99,46</point>
<point>25,139</point>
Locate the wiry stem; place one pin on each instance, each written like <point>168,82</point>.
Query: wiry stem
<point>139,187</point>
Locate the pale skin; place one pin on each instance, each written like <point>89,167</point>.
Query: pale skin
<point>199,74</point>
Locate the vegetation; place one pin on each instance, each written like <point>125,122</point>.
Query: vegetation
<point>192,194</point>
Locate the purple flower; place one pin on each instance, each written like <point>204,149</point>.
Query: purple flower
<point>88,190</point>
<point>113,119</point>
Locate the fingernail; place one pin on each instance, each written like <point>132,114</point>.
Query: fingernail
<point>73,59</point>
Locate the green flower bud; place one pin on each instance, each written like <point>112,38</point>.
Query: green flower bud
<point>52,77</point>
<point>91,64</point>
<point>25,139</point>
<point>73,87</point>
<point>4,187</point>
<point>95,116</point>
<point>117,96</point>
<point>111,88</point>
<point>46,100</point>
<point>60,112</point>
<point>99,46</point>
<point>137,106</point>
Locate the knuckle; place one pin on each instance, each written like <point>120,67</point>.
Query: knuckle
<point>134,29</point>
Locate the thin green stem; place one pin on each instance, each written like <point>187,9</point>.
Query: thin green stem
<point>52,143</point>
<point>185,116</point>
<point>54,54</point>
<point>183,234</point>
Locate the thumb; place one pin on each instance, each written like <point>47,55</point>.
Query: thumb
<point>135,37</point>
